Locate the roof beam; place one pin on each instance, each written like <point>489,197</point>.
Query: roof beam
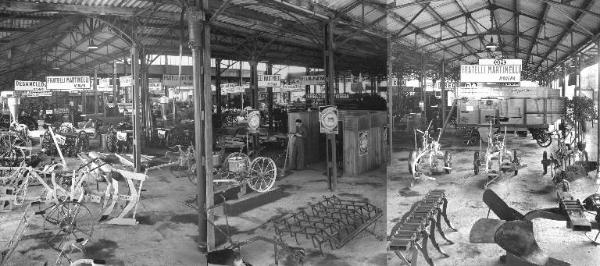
<point>547,21</point>
<point>580,9</point>
<point>409,23</point>
<point>590,40</point>
<point>452,31</point>
<point>585,5</point>
<point>542,16</point>
<point>445,21</point>
<point>19,6</point>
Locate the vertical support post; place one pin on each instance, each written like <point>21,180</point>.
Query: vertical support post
<point>83,103</point>
<point>137,126</point>
<point>208,127</point>
<point>254,83</point>
<point>199,33</point>
<point>330,98</point>
<point>270,97</point>
<point>443,89</point>
<point>95,90</point>
<point>143,97</point>
<point>564,78</point>
<point>115,87</point>
<point>598,106</point>
<point>423,87</point>
<point>307,89</point>
<point>578,75</point>
<point>390,95</point>
<point>242,83</point>
<point>218,90</point>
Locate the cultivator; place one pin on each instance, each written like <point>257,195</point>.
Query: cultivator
<point>411,233</point>
<point>333,220</point>
<point>428,158</point>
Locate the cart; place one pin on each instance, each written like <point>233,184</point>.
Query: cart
<point>428,158</point>
<point>496,161</point>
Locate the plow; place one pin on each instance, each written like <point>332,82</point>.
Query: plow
<point>418,226</point>
<point>514,232</point>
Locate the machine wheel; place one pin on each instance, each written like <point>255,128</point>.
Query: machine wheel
<point>69,220</point>
<point>543,139</point>
<point>262,175</point>
<point>447,162</point>
<point>476,163</point>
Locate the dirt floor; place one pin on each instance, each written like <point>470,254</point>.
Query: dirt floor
<point>167,230</point>
<point>527,191</point>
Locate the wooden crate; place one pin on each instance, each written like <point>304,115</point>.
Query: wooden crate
<point>372,123</point>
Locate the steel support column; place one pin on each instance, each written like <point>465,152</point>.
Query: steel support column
<point>270,97</point>
<point>598,106</point>
<point>329,67</point>
<point>218,90</point>
<point>199,36</point>
<point>254,83</point>
<point>564,78</point>
<point>390,95</point>
<point>443,89</point>
<point>423,87</point>
<point>137,125</point>
<point>115,87</point>
<point>95,90</point>
<point>144,97</point>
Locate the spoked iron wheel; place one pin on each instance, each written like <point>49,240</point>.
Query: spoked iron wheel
<point>69,221</point>
<point>263,173</point>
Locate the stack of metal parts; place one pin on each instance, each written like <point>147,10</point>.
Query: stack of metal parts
<point>411,233</point>
<point>332,220</point>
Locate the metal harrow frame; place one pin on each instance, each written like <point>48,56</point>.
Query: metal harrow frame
<point>333,220</point>
<point>418,226</point>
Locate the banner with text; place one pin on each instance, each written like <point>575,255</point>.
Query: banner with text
<point>22,85</point>
<point>105,85</point>
<point>490,73</point>
<point>125,81</point>
<point>176,80</point>
<point>265,81</point>
<point>313,80</point>
<point>68,83</point>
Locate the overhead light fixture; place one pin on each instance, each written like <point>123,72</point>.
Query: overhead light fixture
<point>491,46</point>
<point>55,67</point>
<point>91,45</point>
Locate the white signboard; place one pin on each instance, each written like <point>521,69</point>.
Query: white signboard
<point>313,80</point>
<point>68,83</point>
<point>291,87</point>
<point>490,73</point>
<point>41,93</point>
<point>125,81</point>
<point>22,85</point>
<point>105,85</point>
<point>155,86</point>
<point>265,81</point>
<point>176,80</point>
<point>500,62</point>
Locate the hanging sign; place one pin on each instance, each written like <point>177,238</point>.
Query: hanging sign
<point>42,93</point>
<point>313,80</point>
<point>105,85</point>
<point>125,81</point>
<point>490,73</point>
<point>253,119</point>
<point>176,80</point>
<point>125,107</point>
<point>68,83</point>
<point>363,142</point>
<point>291,87</point>
<point>269,81</point>
<point>155,86</point>
<point>21,85</point>
<point>500,62</point>
<point>328,118</point>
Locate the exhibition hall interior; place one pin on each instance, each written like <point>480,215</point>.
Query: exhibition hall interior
<point>299,132</point>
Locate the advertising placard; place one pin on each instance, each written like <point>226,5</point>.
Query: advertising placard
<point>313,80</point>
<point>363,143</point>
<point>253,119</point>
<point>22,85</point>
<point>105,85</point>
<point>328,119</point>
<point>68,83</point>
<point>265,81</point>
<point>125,81</point>
<point>176,80</point>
